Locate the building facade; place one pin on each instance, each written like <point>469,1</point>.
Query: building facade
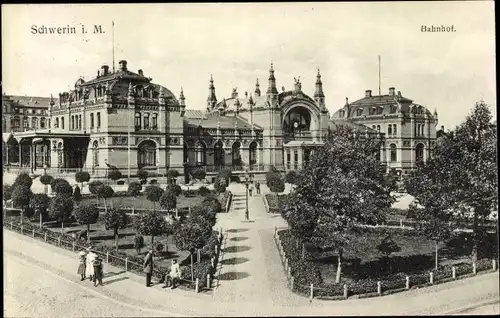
<point>21,113</point>
<point>122,119</point>
<point>409,128</point>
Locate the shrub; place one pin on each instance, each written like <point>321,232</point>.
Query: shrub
<point>484,264</point>
<point>153,194</point>
<point>189,193</point>
<point>61,207</point>
<point>151,223</point>
<point>61,186</point>
<point>87,214</point>
<point>46,179</point>
<point>223,199</point>
<point>21,196</point>
<point>82,176</point>
<point>200,271</point>
<point>94,187</point>
<point>105,192</point>
<point>24,180</point>
<point>209,248</point>
<point>168,200</point>
<point>114,174</point>
<point>198,173</point>
<point>134,189</point>
<point>175,189</point>
<point>138,243</point>
<point>159,247</point>
<point>291,177</point>
<point>225,174</point>
<point>116,219</point>
<point>220,185</point>
<point>172,174</point>
<point>213,203</point>
<point>153,181</point>
<point>203,191</point>
<point>419,279</point>
<point>7,192</point>
<point>77,194</point>
<point>204,212</point>
<point>275,182</point>
<point>143,175</point>
<point>364,286</point>
<point>463,269</point>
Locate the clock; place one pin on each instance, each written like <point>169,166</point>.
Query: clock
<point>296,124</point>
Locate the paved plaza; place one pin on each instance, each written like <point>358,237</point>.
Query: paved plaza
<point>249,282</point>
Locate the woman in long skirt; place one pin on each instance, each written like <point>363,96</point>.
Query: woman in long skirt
<point>81,267</point>
<point>89,270</point>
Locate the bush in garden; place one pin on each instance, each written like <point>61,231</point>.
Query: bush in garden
<point>172,175</point>
<point>114,174</point>
<point>143,175</point>
<point>24,180</point>
<point>274,182</point>
<point>225,174</point>
<point>212,202</point>
<point>138,243</point>
<point>82,176</point>
<point>220,185</point>
<point>134,189</point>
<point>40,203</point>
<point>153,194</point>
<point>159,247</point>
<point>61,207</point>
<point>203,191</point>
<point>152,223</point>
<point>175,189</point>
<point>46,180</point>
<point>116,219</point>
<point>168,200</point>
<point>291,177</point>
<point>105,192</point>
<point>21,197</point>
<point>198,173</point>
<point>205,213</point>
<point>387,247</point>
<point>94,187</point>
<point>7,192</point>
<point>61,186</point>
<point>77,194</point>
<point>200,271</point>
<point>87,214</point>
<point>209,248</point>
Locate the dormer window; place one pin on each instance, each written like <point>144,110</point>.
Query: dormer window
<point>394,108</point>
<point>380,110</point>
<point>359,112</point>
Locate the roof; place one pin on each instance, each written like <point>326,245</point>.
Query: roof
<point>226,122</point>
<point>48,133</point>
<point>194,113</point>
<point>30,101</point>
<point>335,123</point>
<point>259,101</point>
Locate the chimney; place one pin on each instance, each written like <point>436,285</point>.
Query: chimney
<point>234,94</point>
<point>442,128</point>
<point>391,91</point>
<point>141,73</point>
<point>104,70</point>
<point>368,93</point>
<point>122,65</point>
<point>246,94</point>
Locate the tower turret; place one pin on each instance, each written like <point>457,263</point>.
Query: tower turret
<point>272,92</point>
<point>257,88</point>
<point>319,96</point>
<point>212,99</point>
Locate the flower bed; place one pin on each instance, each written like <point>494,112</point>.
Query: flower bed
<point>306,273</point>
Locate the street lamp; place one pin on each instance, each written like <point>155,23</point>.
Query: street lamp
<point>247,182</point>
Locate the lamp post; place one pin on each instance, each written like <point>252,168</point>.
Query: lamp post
<point>247,181</point>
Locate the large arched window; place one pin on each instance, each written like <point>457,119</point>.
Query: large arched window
<point>236,153</point>
<point>15,122</point>
<point>98,119</point>
<point>394,154</point>
<point>95,154</point>
<point>137,122</point>
<point>253,153</point>
<point>297,121</point>
<point>419,152</point>
<point>146,156</point>
<point>186,153</point>
<point>394,129</point>
<point>219,154</point>
<point>62,122</point>
<point>146,121</point>
<point>200,151</point>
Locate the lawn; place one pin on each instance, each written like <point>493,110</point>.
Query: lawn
<point>141,202</point>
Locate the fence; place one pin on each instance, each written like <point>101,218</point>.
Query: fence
<point>372,288</point>
<point>129,264</point>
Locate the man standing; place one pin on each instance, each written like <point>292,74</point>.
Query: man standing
<point>257,187</point>
<point>148,267</point>
<point>175,273</point>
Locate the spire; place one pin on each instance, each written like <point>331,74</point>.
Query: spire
<point>51,101</point>
<point>131,90</point>
<point>257,88</point>
<point>211,99</point>
<point>182,99</point>
<point>272,82</point>
<point>237,105</point>
<point>319,86</point>
<point>250,103</point>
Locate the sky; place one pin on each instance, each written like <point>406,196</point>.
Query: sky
<point>181,45</point>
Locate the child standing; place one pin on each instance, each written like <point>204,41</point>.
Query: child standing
<point>81,267</point>
<point>98,272</point>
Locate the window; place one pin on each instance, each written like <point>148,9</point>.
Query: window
<point>137,122</point>
<point>374,127</point>
<point>389,130</point>
<point>146,121</point>
<point>295,159</point>
<point>155,121</point>
<point>26,123</point>
<point>72,122</point>
<point>219,154</point>
<point>422,130</point>
<point>91,120</point>
<point>57,123</point>
<point>34,122</point>
<point>146,154</point>
<point>394,156</point>
<point>394,129</point>
<point>394,108</point>
<point>79,121</point>
<point>200,153</point>
<point>378,128</point>
<point>62,122</point>
<point>236,153</point>
<point>419,152</point>
<point>288,159</point>
<point>380,110</point>
<point>253,153</point>
<point>98,119</point>
<point>42,122</point>
<point>359,112</point>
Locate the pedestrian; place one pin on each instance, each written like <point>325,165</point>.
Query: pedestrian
<point>82,265</point>
<point>98,272</point>
<point>89,268</point>
<point>175,273</point>
<point>257,187</point>
<point>148,267</point>
<point>250,189</point>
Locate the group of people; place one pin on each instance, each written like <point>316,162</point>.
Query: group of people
<point>256,185</point>
<point>172,278</point>
<point>90,266</point>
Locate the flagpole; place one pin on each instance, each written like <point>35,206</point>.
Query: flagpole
<point>113,43</point>
<point>379,75</point>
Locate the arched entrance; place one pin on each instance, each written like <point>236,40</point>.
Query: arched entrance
<point>200,153</point>
<point>252,153</point>
<point>146,154</point>
<point>219,154</point>
<point>236,155</point>
<point>419,152</point>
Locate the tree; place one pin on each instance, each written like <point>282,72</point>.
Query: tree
<point>274,182</point>
<point>225,174</point>
<point>168,200</point>
<point>116,219</point>
<point>204,212</point>
<point>138,243</point>
<point>153,194</point>
<point>61,207</point>
<point>198,173</point>
<point>341,187</point>
<point>21,197</point>
<point>87,214</point>
<point>465,167</point>
<point>114,174</point>
<point>143,174</point>
<point>203,191</point>
<point>23,179</point>
<point>191,235</point>
<point>40,203</point>
<point>81,177</point>
<point>7,193</point>
<point>77,194</point>
<point>134,189</point>
<point>213,203</point>
<point>388,246</point>
<point>151,223</point>
<point>175,189</point>
<point>172,175</point>
<point>94,188</point>
<point>46,180</point>
<point>105,192</point>
<point>291,177</point>
<point>61,186</point>
<point>220,185</point>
